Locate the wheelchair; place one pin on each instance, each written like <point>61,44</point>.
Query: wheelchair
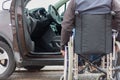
<point>107,70</point>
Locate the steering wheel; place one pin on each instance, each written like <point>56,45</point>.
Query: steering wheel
<point>41,12</point>
<point>54,14</point>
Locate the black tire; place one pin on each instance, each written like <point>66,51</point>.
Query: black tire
<point>7,63</point>
<point>33,68</point>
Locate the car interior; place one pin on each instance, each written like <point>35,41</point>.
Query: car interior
<point>43,29</point>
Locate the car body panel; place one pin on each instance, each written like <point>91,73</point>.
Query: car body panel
<point>5,27</point>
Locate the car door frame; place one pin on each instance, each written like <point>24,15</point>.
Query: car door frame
<point>16,12</point>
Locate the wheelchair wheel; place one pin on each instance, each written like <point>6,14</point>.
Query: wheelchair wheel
<point>65,76</point>
<point>116,63</point>
<point>117,72</point>
<point>68,67</point>
<point>68,61</point>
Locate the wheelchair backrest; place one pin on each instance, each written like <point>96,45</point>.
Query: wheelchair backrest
<point>93,34</point>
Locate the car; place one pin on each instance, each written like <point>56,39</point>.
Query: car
<point>30,34</point>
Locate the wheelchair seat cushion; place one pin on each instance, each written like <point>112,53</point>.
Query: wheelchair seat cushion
<point>93,34</point>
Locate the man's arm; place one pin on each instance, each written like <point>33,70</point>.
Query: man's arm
<point>68,23</point>
<point>116,9</point>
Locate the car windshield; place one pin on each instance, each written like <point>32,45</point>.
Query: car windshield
<point>40,3</point>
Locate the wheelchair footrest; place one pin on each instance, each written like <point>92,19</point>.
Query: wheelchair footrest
<point>90,76</point>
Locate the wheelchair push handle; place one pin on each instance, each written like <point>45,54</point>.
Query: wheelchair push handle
<point>115,33</point>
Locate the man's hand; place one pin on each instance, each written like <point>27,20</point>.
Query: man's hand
<point>63,52</point>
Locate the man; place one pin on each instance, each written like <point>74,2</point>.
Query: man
<point>84,7</point>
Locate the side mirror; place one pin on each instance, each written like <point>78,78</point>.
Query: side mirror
<point>6,4</point>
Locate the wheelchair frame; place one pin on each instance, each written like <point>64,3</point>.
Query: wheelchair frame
<point>108,70</point>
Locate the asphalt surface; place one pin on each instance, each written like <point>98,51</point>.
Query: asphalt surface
<point>47,73</point>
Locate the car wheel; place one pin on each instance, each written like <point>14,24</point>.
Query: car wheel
<point>7,62</point>
<point>33,68</point>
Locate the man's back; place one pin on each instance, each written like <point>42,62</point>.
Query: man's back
<point>93,6</point>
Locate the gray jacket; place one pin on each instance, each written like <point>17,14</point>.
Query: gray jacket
<point>69,18</point>
<point>93,6</point>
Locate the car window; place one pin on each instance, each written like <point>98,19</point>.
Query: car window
<point>40,3</point>
<point>33,4</point>
<point>62,9</point>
